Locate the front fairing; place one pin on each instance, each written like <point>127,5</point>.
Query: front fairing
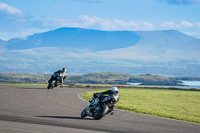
<point>95,107</point>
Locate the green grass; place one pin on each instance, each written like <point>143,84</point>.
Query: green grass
<point>174,104</point>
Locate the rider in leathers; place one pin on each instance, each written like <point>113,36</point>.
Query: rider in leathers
<point>62,75</point>
<point>114,93</point>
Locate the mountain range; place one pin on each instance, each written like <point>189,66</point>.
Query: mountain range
<point>82,51</point>
<point>77,38</point>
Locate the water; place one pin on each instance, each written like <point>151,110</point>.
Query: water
<point>134,84</point>
<point>186,83</point>
<point>191,84</point>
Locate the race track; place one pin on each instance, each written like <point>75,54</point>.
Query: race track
<point>32,109</point>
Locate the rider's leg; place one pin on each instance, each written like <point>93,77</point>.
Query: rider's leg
<point>61,80</point>
<point>111,109</point>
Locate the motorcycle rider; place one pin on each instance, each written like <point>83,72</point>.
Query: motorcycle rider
<point>113,93</point>
<point>62,75</point>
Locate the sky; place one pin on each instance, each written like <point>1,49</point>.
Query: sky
<point>20,18</point>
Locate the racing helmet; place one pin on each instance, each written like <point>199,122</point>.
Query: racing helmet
<point>64,69</point>
<point>114,89</point>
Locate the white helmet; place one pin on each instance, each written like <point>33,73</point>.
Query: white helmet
<point>64,70</point>
<point>114,89</point>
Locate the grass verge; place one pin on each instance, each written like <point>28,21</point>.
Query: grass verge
<point>175,104</point>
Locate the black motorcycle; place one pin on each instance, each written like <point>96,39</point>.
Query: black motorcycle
<point>54,81</point>
<point>98,107</point>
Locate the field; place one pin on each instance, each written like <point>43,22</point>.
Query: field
<point>175,104</point>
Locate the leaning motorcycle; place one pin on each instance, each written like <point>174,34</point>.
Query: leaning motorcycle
<point>54,81</point>
<point>98,107</point>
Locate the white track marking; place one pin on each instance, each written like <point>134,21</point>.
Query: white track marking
<point>81,98</point>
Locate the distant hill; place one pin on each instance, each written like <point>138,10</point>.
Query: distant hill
<point>23,78</point>
<point>3,45</point>
<point>93,40</point>
<point>83,51</point>
<point>169,45</point>
<point>92,78</point>
<point>162,46</point>
<point>121,78</point>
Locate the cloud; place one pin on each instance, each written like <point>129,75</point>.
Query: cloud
<point>186,23</point>
<point>173,25</point>
<point>10,16</point>
<point>93,22</point>
<point>30,25</point>
<point>168,25</point>
<point>9,9</point>
<point>22,26</point>
<point>13,21</point>
<point>182,2</point>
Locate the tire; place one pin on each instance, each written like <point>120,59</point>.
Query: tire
<point>51,84</point>
<point>101,113</point>
<point>48,87</point>
<point>83,113</point>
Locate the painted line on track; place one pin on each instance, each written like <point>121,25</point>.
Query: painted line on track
<point>81,97</point>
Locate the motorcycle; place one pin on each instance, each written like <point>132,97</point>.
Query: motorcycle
<point>98,107</point>
<point>54,81</point>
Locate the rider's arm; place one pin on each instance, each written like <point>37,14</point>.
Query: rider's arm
<point>65,75</point>
<point>103,93</point>
<point>57,72</point>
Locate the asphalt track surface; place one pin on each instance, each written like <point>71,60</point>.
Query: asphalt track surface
<point>39,110</point>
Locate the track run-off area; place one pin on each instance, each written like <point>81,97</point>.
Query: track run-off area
<point>36,109</point>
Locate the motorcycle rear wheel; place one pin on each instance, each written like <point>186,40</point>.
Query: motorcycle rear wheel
<point>51,84</point>
<point>101,113</point>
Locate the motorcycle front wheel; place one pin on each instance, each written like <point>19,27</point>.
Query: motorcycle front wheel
<point>83,113</point>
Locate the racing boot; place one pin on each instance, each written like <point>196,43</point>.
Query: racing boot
<point>61,85</point>
<point>111,112</point>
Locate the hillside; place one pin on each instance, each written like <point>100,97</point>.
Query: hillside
<point>93,78</point>
<point>159,46</point>
<point>120,78</point>
<point>2,45</point>
<point>23,78</point>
